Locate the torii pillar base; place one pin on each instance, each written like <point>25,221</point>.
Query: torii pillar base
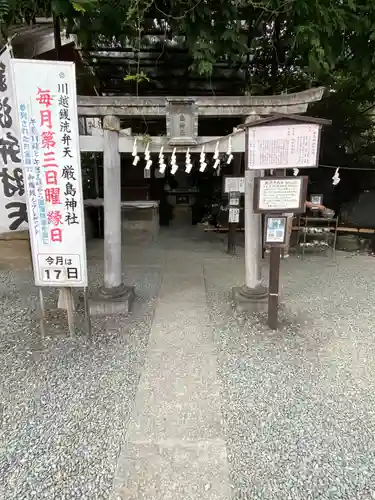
<point>250,300</point>
<point>112,301</point>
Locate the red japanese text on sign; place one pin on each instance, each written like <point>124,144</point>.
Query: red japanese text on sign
<point>48,143</point>
<point>56,235</point>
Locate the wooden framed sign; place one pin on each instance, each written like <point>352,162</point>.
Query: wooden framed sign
<point>280,194</point>
<point>283,146</point>
<point>275,230</point>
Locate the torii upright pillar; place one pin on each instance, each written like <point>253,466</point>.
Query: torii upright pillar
<point>113,296</point>
<point>253,295</point>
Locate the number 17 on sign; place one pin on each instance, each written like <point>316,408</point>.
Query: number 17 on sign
<point>56,269</point>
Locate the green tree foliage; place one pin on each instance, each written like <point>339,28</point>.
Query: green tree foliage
<point>277,44</point>
<point>320,37</point>
<point>317,39</point>
<point>25,11</point>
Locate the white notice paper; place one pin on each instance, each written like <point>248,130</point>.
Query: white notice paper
<point>47,108</point>
<point>234,215</point>
<point>234,184</point>
<point>283,146</point>
<point>275,231</point>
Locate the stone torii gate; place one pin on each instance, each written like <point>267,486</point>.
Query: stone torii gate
<point>182,114</point>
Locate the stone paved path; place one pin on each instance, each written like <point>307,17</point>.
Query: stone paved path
<point>175,445</point>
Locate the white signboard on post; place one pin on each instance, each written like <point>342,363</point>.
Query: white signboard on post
<point>47,108</point>
<point>13,214</point>
<point>280,194</point>
<point>283,146</point>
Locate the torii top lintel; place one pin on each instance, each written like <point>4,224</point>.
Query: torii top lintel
<point>296,103</point>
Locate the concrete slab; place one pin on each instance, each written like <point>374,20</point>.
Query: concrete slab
<point>178,398</point>
<point>173,472</point>
<point>181,293</point>
<point>175,447</point>
<point>194,332</point>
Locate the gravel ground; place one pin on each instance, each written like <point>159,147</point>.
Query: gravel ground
<point>299,403</point>
<point>66,403</point>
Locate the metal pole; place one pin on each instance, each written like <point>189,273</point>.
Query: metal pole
<point>87,313</point>
<point>42,312</point>
<point>70,310</point>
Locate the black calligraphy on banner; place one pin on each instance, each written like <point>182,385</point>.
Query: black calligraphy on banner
<point>6,120</point>
<point>10,149</point>
<point>3,78</point>
<point>19,214</point>
<point>12,190</point>
<point>12,182</point>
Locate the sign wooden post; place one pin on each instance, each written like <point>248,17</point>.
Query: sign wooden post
<point>275,232</point>
<point>273,287</point>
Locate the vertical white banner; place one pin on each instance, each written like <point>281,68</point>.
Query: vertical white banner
<point>47,109</point>
<point>13,214</point>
